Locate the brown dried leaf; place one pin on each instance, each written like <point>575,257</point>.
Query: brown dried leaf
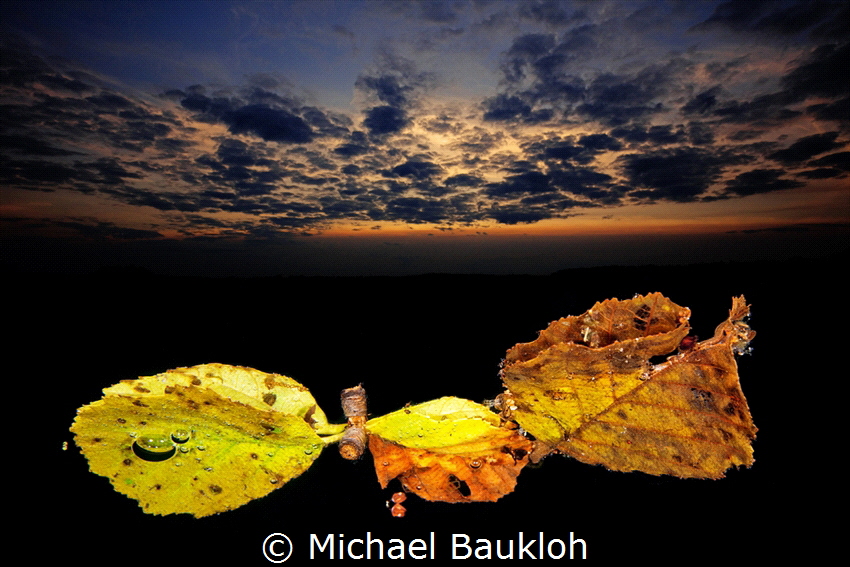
<point>448,450</point>
<point>587,388</point>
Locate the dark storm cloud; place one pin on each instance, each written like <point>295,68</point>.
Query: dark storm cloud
<point>822,19</point>
<point>819,75</point>
<point>387,88</point>
<point>540,86</point>
<point>504,107</point>
<point>527,182</point>
<point>110,102</point>
<point>617,100</point>
<point>702,103</point>
<point>760,181</point>
<point>416,169</point>
<point>807,147</point>
<point>820,173</point>
<point>273,124</point>
<point>840,160</point>
<point>681,174</point>
<point>660,135</point>
<point>526,51</point>
<point>268,115</point>
<point>21,68</point>
<point>579,180</point>
<point>518,214</point>
<point>81,176</point>
<point>396,83</point>
<point>357,145</point>
<point>463,180</point>
<point>838,111</point>
<point>35,175</point>
<point>382,120</point>
<point>29,145</point>
<point>814,77</point>
<point>582,151</point>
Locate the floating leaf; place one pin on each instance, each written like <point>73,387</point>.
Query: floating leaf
<point>587,387</point>
<point>200,440</point>
<point>449,450</point>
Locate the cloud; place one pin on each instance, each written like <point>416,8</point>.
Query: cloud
<point>29,145</point>
<point>578,115</point>
<point>840,160</point>
<point>682,174</point>
<point>760,181</point>
<point>817,76</point>
<point>779,18</point>
<point>527,182</point>
<point>416,169</point>
<point>381,120</point>
<point>807,147</point>
<point>813,77</point>
<point>516,215</point>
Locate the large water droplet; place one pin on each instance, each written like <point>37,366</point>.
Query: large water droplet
<point>180,435</point>
<point>154,447</point>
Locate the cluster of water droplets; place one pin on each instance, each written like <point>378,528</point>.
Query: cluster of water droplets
<point>158,447</point>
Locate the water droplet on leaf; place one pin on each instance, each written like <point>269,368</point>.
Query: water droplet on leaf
<point>154,447</point>
<point>181,435</point>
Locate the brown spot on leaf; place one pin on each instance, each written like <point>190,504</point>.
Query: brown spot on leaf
<point>702,399</point>
<point>269,398</point>
<point>141,389</point>
<point>196,381</point>
<point>215,489</point>
<point>127,462</point>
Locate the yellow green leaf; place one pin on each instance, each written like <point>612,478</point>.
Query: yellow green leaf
<point>441,424</point>
<point>200,440</point>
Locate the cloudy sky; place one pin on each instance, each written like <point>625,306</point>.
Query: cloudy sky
<point>401,137</point>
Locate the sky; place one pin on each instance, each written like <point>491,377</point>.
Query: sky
<point>353,138</point>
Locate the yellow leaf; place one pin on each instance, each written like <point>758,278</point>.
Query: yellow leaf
<point>200,440</point>
<point>449,450</point>
<point>587,388</point>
